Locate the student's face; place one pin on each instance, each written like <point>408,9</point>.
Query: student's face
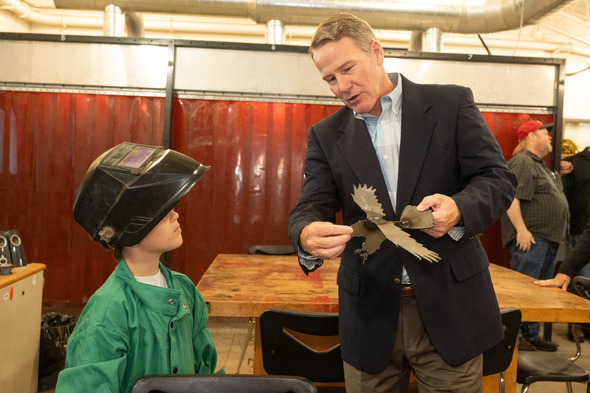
<point>166,236</point>
<point>353,75</point>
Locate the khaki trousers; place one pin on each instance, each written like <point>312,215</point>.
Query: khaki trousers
<point>413,352</point>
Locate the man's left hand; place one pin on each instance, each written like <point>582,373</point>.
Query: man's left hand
<point>445,212</point>
<point>560,280</point>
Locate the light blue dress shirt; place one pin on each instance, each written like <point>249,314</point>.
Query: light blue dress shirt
<point>386,135</point>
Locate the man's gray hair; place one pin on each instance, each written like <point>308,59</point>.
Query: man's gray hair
<point>341,25</point>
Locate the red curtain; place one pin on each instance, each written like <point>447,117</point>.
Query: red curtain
<point>47,142</point>
<point>255,150</point>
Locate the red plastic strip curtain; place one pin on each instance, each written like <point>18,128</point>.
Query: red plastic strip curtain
<point>256,152</point>
<point>47,141</point>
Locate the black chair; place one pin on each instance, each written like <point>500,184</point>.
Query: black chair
<point>534,366</point>
<point>302,344</point>
<point>497,359</point>
<point>271,250</point>
<point>261,250</point>
<point>222,383</point>
<point>580,285</point>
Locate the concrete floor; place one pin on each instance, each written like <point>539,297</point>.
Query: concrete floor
<point>230,334</point>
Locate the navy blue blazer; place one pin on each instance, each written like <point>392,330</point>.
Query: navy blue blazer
<point>446,148</point>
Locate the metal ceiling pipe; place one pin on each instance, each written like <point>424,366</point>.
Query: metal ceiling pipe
<point>275,32</point>
<point>134,24</point>
<point>454,16</point>
<point>416,41</point>
<point>432,40</point>
<point>205,26</point>
<point>114,21</point>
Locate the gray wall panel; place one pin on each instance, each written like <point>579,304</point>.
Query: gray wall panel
<point>244,70</point>
<point>492,83</point>
<point>257,72</point>
<point>87,64</point>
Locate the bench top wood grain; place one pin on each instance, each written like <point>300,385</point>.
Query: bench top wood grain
<point>246,285</point>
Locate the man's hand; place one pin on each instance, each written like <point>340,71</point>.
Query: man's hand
<point>560,280</point>
<point>565,167</point>
<point>324,240</point>
<point>524,240</point>
<point>445,212</point>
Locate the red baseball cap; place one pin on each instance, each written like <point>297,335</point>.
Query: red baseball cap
<point>530,126</point>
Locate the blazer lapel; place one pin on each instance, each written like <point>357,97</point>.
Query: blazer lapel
<point>417,128</point>
<point>357,148</point>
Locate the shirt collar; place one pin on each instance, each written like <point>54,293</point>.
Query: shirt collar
<point>395,97</point>
<point>168,301</point>
<point>533,155</point>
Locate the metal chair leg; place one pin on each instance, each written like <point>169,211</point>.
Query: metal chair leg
<point>251,322</point>
<point>501,381</point>
<point>525,388</point>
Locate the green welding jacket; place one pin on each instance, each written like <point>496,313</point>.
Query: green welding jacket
<point>129,329</point>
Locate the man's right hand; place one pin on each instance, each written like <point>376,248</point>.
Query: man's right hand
<point>324,240</point>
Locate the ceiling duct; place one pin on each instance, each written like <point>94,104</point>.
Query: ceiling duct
<point>118,23</point>
<point>275,32</point>
<point>450,16</point>
<point>114,21</point>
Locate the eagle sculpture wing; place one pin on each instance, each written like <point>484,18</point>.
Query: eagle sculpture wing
<point>375,228</point>
<point>403,239</point>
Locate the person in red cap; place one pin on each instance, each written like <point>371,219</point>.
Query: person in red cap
<point>536,221</point>
<point>531,126</point>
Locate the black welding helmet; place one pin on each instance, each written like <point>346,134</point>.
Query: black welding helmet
<point>130,188</point>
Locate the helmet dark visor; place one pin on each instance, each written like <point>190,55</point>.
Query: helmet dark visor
<point>130,188</point>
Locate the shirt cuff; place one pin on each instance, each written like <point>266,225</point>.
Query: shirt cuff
<point>308,261</point>
<point>456,233</point>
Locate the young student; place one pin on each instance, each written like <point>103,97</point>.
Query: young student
<point>145,319</point>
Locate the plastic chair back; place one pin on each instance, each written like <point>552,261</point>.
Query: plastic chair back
<point>222,383</point>
<point>271,250</point>
<point>288,346</point>
<point>581,286</point>
<point>498,358</point>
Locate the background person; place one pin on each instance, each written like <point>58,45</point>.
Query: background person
<point>537,220</point>
<point>577,190</point>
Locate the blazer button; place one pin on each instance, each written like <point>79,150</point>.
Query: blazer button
<point>397,281</point>
<point>174,370</point>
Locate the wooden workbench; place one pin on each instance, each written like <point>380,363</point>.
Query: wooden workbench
<point>246,285</point>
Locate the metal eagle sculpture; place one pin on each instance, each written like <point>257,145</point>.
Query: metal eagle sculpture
<point>375,229</point>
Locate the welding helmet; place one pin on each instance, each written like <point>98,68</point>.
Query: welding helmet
<point>129,189</point>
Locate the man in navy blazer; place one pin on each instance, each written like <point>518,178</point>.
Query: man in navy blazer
<point>424,145</point>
